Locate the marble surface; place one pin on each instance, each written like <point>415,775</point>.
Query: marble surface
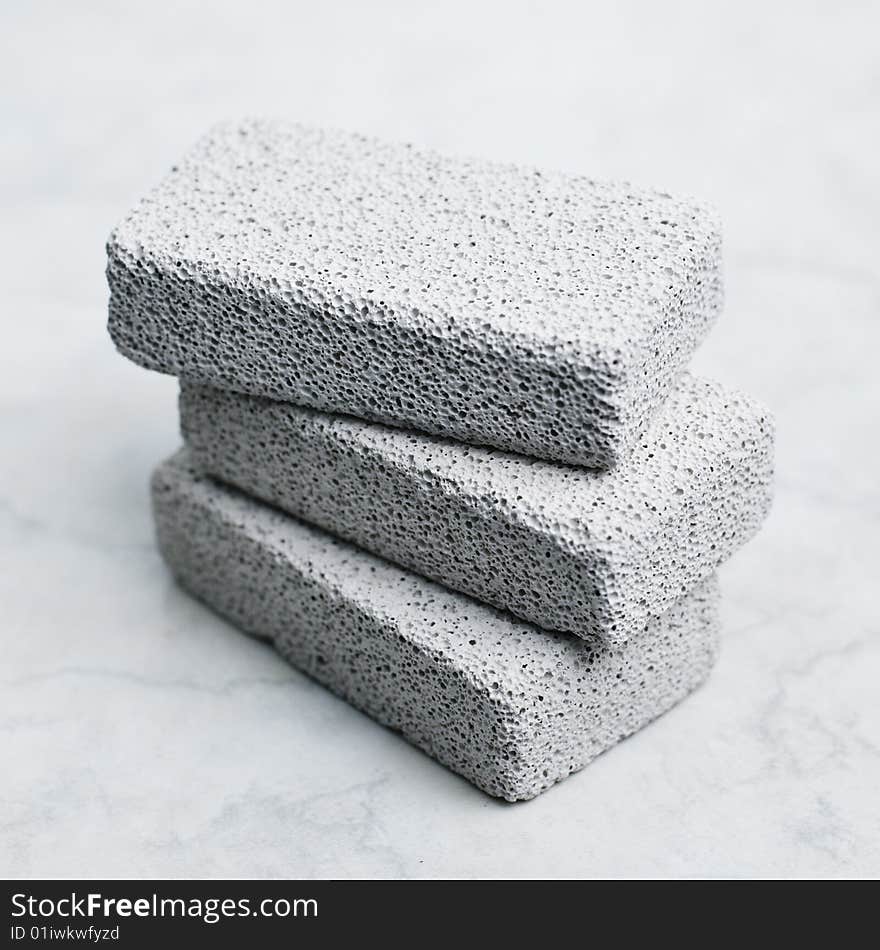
<point>140,735</point>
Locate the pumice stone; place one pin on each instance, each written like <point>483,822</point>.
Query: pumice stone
<point>595,553</point>
<point>509,706</point>
<point>536,312</point>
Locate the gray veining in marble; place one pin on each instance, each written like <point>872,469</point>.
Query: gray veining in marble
<point>120,695</point>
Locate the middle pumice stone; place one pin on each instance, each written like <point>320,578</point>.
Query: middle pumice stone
<point>594,553</point>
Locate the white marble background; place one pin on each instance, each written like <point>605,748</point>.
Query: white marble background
<point>139,735</point>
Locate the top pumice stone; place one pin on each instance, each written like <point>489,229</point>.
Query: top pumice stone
<point>537,312</point>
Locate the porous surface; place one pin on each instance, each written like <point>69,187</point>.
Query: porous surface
<point>542,313</point>
<point>509,706</point>
<point>596,553</point>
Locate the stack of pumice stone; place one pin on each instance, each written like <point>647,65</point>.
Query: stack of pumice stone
<point>441,445</point>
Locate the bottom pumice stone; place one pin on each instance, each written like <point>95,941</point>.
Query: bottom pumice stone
<point>511,707</point>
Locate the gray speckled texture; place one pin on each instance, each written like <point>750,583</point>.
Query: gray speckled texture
<point>541,313</point>
<point>509,706</point>
<point>590,552</point>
